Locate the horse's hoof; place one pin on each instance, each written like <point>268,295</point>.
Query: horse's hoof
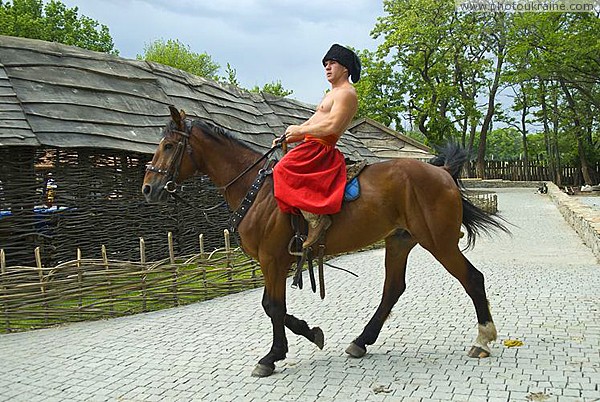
<point>262,370</point>
<point>356,351</point>
<point>478,352</point>
<point>319,337</point>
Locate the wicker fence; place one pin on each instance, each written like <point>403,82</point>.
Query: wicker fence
<point>486,200</point>
<point>86,288</point>
<point>62,200</point>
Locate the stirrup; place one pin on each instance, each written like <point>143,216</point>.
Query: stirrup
<point>301,240</point>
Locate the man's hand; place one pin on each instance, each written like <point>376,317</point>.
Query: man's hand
<point>294,134</point>
<point>279,140</point>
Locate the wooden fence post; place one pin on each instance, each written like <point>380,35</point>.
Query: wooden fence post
<point>201,240</point>
<point>202,265</point>
<point>171,249</point>
<point>228,256</point>
<point>227,242</point>
<point>79,282</point>
<point>142,251</point>
<point>2,273</point>
<point>174,267</point>
<point>143,262</point>
<point>110,292</point>
<point>38,263</point>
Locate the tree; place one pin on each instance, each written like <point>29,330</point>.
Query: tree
<point>54,22</point>
<point>503,144</point>
<point>417,36</point>
<point>178,55</point>
<point>442,58</point>
<point>562,70</point>
<point>379,91</point>
<point>273,88</point>
<point>231,76</point>
<point>498,47</point>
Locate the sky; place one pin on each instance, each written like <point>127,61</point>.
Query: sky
<point>263,40</point>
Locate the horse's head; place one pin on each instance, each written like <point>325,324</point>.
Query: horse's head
<point>172,162</point>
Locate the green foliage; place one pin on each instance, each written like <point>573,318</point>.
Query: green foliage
<point>443,70</point>
<point>53,22</point>
<point>441,63</point>
<point>504,144</point>
<point>178,55</point>
<point>273,88</point>
<point>231,76</point>
<point>379,95</point>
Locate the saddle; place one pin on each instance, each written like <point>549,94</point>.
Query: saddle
<point>353,169</point>
<point>300,226</point>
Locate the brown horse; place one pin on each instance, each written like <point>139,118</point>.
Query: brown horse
<point>402,201</point>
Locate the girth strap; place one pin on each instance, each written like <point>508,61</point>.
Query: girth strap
<point>246,203</point>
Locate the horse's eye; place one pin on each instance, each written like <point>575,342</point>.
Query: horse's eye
<point>168,146</point>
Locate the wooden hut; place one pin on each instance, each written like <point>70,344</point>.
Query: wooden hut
<point>76,130</point>
<point>387,143</point>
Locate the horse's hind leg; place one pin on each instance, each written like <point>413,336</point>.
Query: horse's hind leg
<point>473,282</point>
<point>397,248</point>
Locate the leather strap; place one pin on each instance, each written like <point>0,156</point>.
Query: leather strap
<point>246,203</point>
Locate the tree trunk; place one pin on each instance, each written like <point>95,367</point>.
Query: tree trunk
<point>487,121</point>
<point>555,125</point>
<point>523,130</point>
<point>578,134</point>
<point>472,133</point>
<point>552,166</point>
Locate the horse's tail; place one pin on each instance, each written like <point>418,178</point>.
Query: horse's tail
<point>451,158</point>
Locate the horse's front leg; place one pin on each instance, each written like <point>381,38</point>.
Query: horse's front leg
<point>273,303</point>
<point>300,327</point>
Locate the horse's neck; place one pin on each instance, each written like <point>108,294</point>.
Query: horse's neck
<point>225,163</point>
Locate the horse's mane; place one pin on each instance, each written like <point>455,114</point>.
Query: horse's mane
<point>219,133</point>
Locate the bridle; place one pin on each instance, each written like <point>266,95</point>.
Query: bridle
<point>172,169</point>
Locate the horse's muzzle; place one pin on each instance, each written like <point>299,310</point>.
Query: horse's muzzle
<point>154,194</point>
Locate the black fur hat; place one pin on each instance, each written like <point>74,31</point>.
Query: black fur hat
<point>346,58</point>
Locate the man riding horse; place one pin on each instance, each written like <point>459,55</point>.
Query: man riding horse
<point>310,179</point>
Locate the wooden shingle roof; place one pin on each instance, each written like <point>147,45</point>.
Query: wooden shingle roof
<point>387,143</point>
<point>63,96</point>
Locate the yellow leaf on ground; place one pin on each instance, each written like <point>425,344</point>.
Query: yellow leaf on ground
<point>511,343</point>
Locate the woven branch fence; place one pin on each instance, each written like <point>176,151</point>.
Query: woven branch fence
<point>62,200</point>
<point>94,288</point>
<point>486,200</point>
<point>87,289</point>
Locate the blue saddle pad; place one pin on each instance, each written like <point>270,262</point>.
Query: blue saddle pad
<point>352,191</point>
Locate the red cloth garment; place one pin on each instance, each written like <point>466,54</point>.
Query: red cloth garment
<point>310,177</point>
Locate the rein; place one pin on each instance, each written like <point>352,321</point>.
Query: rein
<point>249,168</point>
<point>172,172</point>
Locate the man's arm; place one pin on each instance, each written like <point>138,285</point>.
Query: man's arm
<point>343,108</point>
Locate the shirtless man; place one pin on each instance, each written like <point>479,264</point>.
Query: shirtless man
<point>310,179</point>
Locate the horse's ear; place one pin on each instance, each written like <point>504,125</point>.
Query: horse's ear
<point>182,114</point>
<point>175,114</point>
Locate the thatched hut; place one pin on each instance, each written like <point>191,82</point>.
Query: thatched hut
<point>92,121</point>
<point>387,143</point>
